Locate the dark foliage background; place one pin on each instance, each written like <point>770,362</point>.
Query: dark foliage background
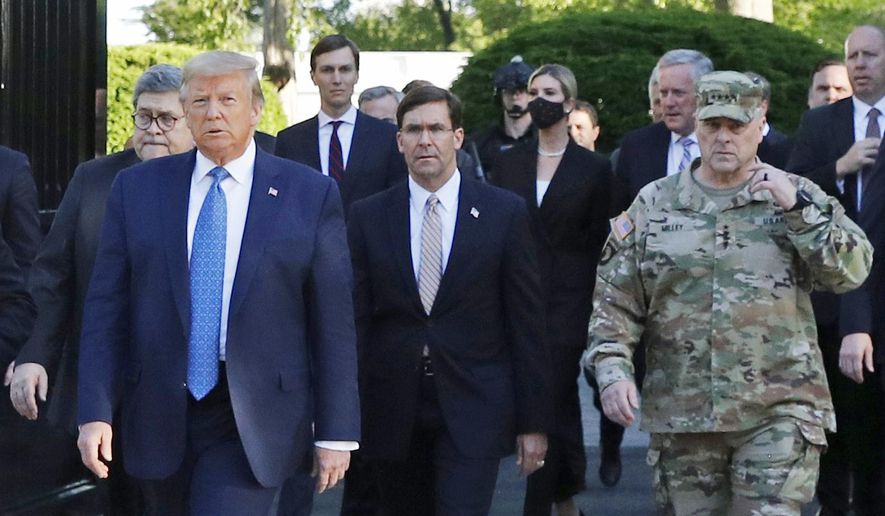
<point>612,55</point>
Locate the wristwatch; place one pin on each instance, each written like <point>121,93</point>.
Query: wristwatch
<point>803,199</point>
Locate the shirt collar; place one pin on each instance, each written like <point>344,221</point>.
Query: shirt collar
<point>241,169</point>
<point>348,117</point>
<point>862,108</point>
<point>766,129</point>
<point>691,197</point>
<point>674,137</point>
<point>447,193</point>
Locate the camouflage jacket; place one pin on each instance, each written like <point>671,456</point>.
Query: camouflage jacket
<point>721,300</point>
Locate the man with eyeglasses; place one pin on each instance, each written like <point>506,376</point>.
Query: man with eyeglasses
<point>61,272</point>
<point>453,373</point>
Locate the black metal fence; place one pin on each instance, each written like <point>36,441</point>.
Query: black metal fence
<point>52,80</point>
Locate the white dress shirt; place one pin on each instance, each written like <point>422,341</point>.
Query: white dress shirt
<point>237,188</point>
<point>237,191</point>
<point>448,214</point>
<point>674,155</point>
<point>541,190</point>
<point>861,110</point>
<point>345,136</point>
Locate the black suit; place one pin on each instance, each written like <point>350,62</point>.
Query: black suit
<point>569,228</point>
<point>775,148</point>
<point>58,283</point>
<point>825,134</point>
<point>484,334</point>
<point>26,467</point>
<point>18,208</point>
<point>373,164</point>
<point>643,159</point>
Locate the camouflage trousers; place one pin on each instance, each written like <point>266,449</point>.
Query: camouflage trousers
<point>769,470</point>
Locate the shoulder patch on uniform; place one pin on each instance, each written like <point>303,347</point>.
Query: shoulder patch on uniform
<point>622,226</point>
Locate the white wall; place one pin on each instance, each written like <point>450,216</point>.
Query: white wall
<point>301,100</point>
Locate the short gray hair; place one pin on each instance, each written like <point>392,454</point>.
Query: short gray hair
<point>700,64</point>
<point>378,92</point>
<point>222,62</point>
<point>652,82</point>
<point>562,74</point>
<point>160,78</point>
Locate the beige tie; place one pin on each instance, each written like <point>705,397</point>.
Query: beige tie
<point>430,268</point>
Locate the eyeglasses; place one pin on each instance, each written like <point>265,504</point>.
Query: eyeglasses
<point>437,131</point>
<point>165,121</point>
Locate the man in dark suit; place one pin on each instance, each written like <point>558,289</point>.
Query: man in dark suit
<point>453,370</point>
<point>775,146</point>
<point>835,146</point>
<point>664,148</point>
<point>227,339</point>
<point>356,150</point>
<point>63,267</point>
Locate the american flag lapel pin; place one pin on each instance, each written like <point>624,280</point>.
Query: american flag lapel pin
<point>474,212</point>
<point>272,191</point>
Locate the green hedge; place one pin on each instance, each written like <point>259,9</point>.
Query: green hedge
<point>126,64</point>
<point>612,55</point>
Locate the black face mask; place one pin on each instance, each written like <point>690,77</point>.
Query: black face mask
<point>545,113</point>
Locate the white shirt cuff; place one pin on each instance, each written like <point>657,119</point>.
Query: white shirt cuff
<point>338,445</point>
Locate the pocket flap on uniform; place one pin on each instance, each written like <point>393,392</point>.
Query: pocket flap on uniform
<point>813,433</point>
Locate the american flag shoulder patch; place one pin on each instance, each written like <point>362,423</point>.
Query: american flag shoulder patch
<point>622,226</point>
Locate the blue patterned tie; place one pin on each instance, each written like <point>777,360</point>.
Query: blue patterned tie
<point>207,282</point>
<point>685,162</point>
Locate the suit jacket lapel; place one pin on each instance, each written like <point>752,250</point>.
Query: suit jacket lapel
<point>175,215</point>
<point>260,222</point>
<point>312,143</point>
<point>399,225</point>
<point>466,226</point>
<point>660,154</point>
<point>843,128</point>
<point>359,145</point>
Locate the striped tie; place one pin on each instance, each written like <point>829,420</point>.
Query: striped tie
<point>336,157</point>
<point>685,162</point>
<point>430,269</point>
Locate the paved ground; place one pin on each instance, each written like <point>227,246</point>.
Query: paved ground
<point>631,497</point>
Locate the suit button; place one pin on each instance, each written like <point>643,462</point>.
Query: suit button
<point>430,324</point>
<point>184,385</point>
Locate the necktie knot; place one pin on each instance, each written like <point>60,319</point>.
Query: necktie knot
<point>874,113</point>
<point>218,174</point>
<point>686,141</point>
<point>335,124</point>
<point>432,201</point>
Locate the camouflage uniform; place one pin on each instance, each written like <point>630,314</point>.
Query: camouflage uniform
<point>735,394</point>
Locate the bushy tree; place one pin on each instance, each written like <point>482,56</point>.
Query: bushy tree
<point>613,53</point>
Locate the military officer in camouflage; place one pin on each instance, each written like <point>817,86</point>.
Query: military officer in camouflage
<point>712,268</point>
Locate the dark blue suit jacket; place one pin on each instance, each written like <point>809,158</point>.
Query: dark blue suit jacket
<point>484,333</point>
<point>19,221</point>
<point>291,360</point>
<point>863,310</point>
<point>643,159</point>
<point>374,163</point>
<point>825,134</point>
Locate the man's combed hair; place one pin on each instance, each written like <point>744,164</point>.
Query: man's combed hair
<point>378,92</point>
<point>330,44</point>
<point>222,62</point>
<point>426,95</point>
<point>160,78</point>
<point>700,64</point>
